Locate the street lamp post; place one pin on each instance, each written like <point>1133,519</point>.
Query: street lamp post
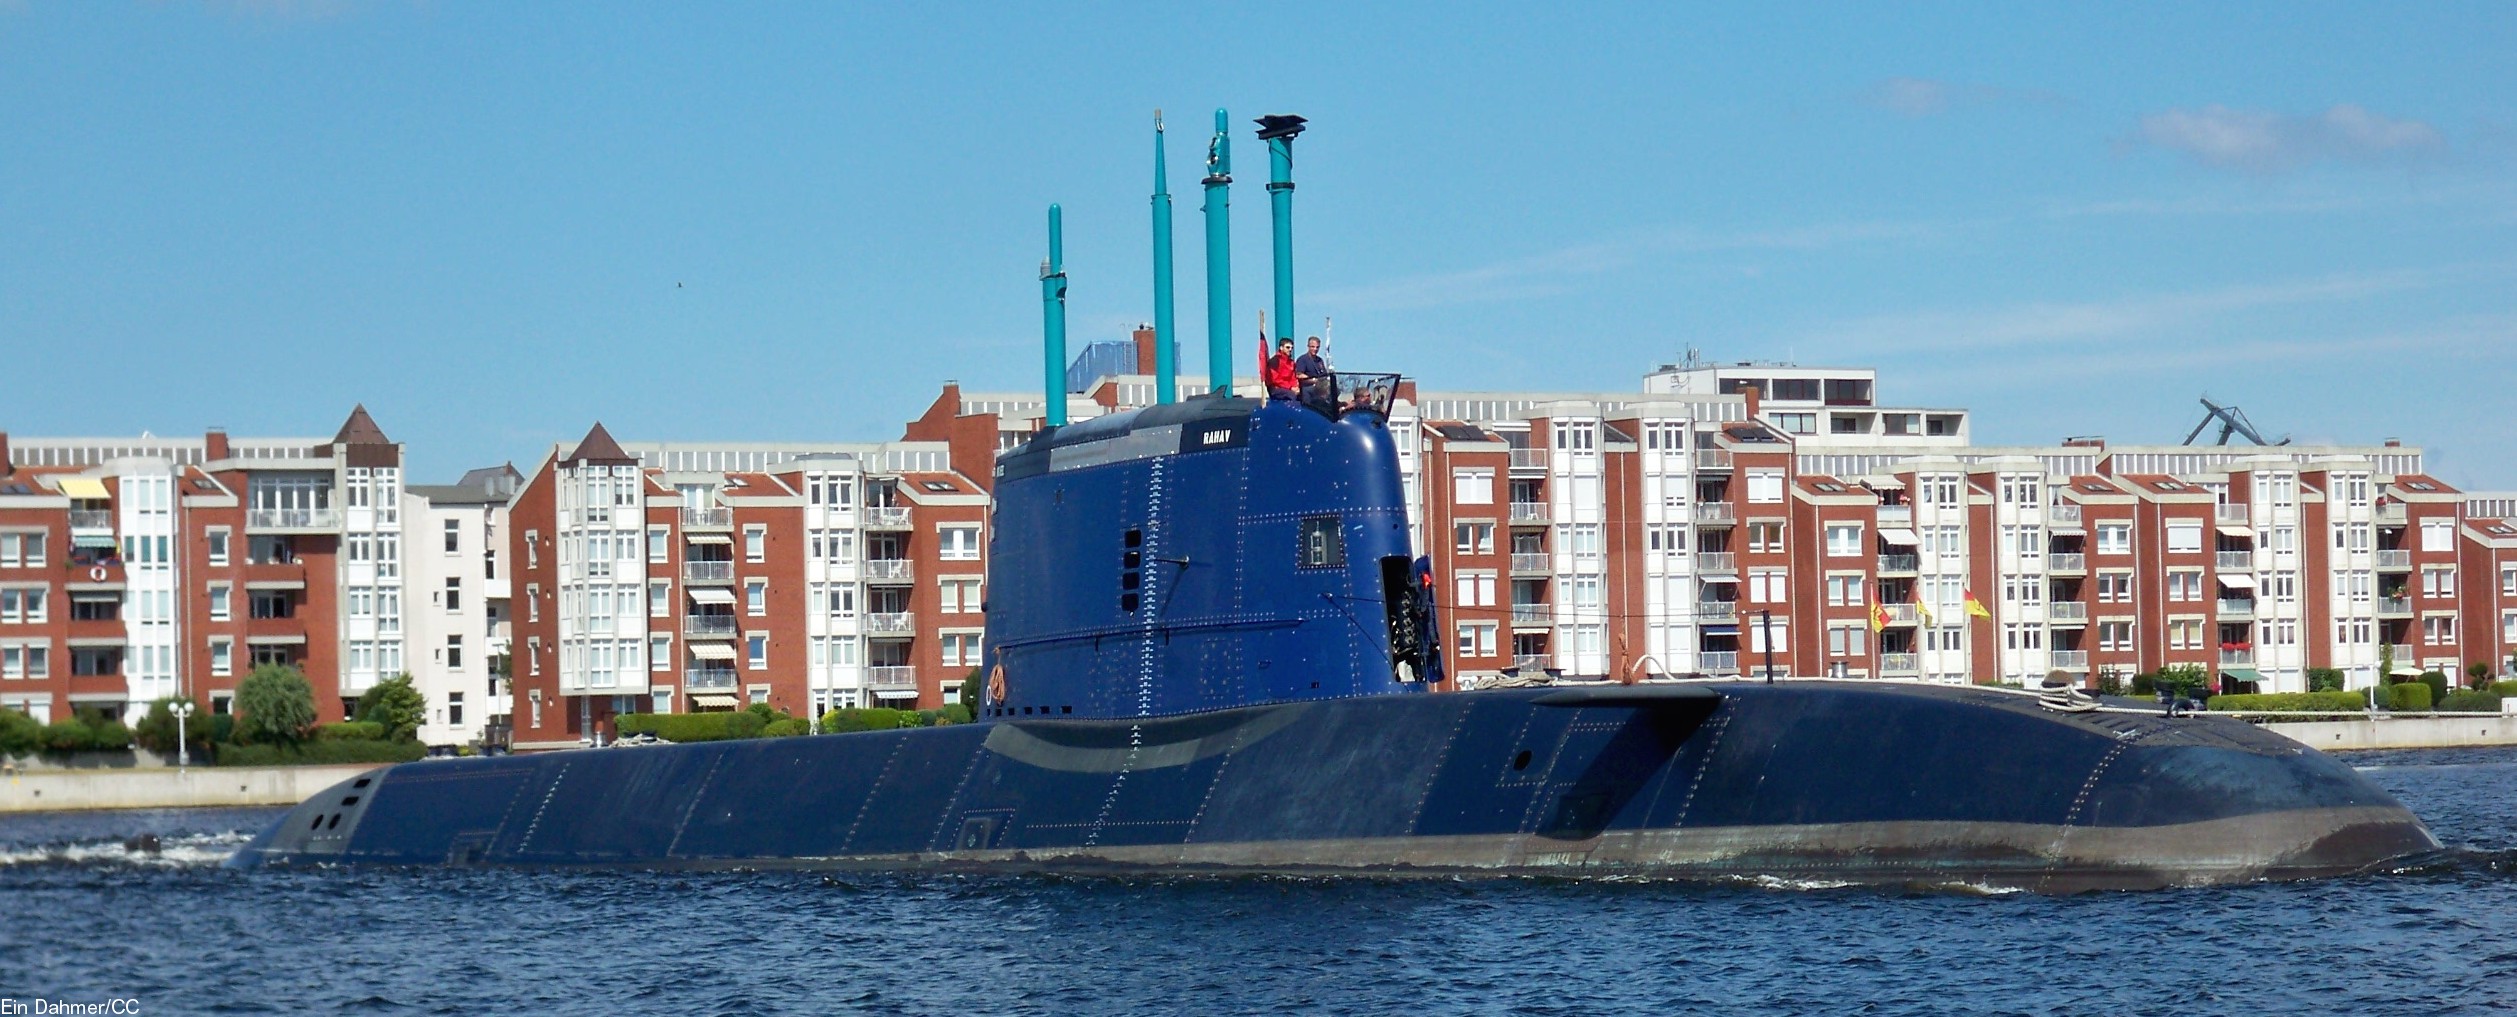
<point>182,709</point>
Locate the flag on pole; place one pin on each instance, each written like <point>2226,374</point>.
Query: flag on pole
<point>1975,608</point>
<point>1922,610</point>
<point>1878,616</point>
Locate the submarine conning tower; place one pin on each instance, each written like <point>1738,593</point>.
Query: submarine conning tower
<point>1219,552</point>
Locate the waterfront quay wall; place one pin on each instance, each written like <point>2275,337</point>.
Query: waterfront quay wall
<point>156,788</point>
<point>2433,732</point>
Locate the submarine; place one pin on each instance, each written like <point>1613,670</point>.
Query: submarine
<point>1214,651</point>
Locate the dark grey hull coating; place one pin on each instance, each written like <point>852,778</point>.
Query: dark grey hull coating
<point>1818,781</point>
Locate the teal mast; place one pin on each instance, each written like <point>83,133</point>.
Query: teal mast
<point>1279,130</point>
<point>1053,320</point>
<point>1166,384</point>
<point>1219,258</point>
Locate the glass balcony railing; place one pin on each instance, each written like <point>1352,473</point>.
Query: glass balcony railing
<point>890,622</point>
<point>2067,561</point>
<point>891,677</point>
<point>1716,610</point>
<point>1533,614</point>
<point>709,625</point>
<point>1530,661</point>
<point>1532,561</point>
<point>2237,515</point>
<point>707,571</point>
<point>2237,657</point>
<point>293,519</point>
<point>2237,561</point>
<point>717,518</point>
<point>1899,563</point>
<point>2066,612</point>
<point>2394,559</point>
<point>1716,561</point>
<point>1529,511</point>
<point>887,517</point>
<point>1714,512</point>
<point>1900,663</point>
<point>2394,605</point>
<point>711,679</point>
<point>887,569</point>
<point>92,519</point>
<point>2072,660</point>
<point>2237,608</point>
<point>1712,459</point>
<point>1529,458</point>
<point>2063,514</point>
<point>1718,661</point>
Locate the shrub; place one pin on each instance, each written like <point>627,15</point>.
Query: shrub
<point>968,697</point>
<point>2470,701</point>
<point>2478,675</point>
<point>108,736</point>
<point>276,703</point>
<point>2110,682</point>
<point>2292,702</point>
<point>68,735</point>
<point>786,727</point>
<point>2411,696</point>
<point>351,731</point>
<point>319,753</point>
<point>2189,680</point>
<point>2324,679</point>
<point>156,731</point>
<point>2437,682</point>
<point>2145,685</point>
<point>954,713</point>
<point>692,727</point>
<point>394,707</point>
<point>872,718</point>
<point>2504,689</point>
<point>20,734</point>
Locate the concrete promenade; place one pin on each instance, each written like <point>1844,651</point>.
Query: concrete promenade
<point>156,788</point>
<point>2437,731</point>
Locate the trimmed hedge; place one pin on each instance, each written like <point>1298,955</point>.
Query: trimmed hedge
<point>2292,702</point>
<point>692,727</point>
<point>350,731</point>
<point>2409,696</point>
<point>2470,701</point>
<point>2437,681</point>
<point>2504,689</point>
<point>786,727</point>
<point>317,753</point>
<point>871,718</point>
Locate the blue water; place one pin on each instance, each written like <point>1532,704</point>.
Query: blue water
<point>86,919</point>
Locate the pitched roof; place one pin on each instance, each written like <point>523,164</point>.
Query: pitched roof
<point>598,449</point>
<point>360,429</point>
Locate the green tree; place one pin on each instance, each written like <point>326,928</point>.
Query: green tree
<point>396,707</point>
<point>2479,673</point>
<point>156,732</point>
<point>276,703</point>
<point>20,734</point>
<point>969,697</point>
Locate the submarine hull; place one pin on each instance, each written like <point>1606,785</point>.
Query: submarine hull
<point>1806,780</point>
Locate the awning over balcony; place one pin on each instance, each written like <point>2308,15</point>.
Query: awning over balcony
<point>84,487</point>
<point>276,640</point>
<point>708,538</point>
<point>2402,668</point>
<point>712,651</point>
<point>1721,630</point>
<point>2238,581</point>
<point>2236,530</point>
<point>2241,674</point>
<point>1713,578</point>
<point>1899,537</point>
<point>716,700</point>
<point>705,595</point>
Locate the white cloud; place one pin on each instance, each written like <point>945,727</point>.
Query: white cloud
<point>1922,97</point>
<point>2265,142</point>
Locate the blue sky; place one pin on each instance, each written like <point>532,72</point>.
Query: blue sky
<point>495,223</point>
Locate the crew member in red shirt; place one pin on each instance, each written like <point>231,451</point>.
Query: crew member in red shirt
<point>1276,373</point>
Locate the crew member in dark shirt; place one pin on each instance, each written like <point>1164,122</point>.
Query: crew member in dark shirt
<point>1312,372</point>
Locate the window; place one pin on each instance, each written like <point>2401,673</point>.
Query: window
<point>1765,536</point>
<point>1474,589</point>
<point>2184,537</point>
<point>2508,580</point>
<point>222,657</point>
<point>2184,634</point>
<point>958,595</point>
<point>2116,538</point>
<point>757,645</point>
<point>2114,587</point>
<point>1585,541</point>
<point>659,543</point>
<point>454,708</point>
<point>1473,486</point>
<point>1844,591</point>
<point>1665,537</point>
<point>220,608</point>
<point>2438,630</point>
<point>533,554</point>
<point>1844,540</point>
<point>1765,485</point>
<point>2438,534</point>
<point>1848,641</point>
<point>2184,585</point>
<point>1767,586</point>
<point>1756,637</point>
<point>957,543</point>
<point>960,649</point>
<point>454,595</point>
<point>756,596</point>
<point>1478,538</point>
<point>2114,635</point>
<point>2438,582</point>
<point>1587,592</point>
<point>755,542</point>
<point>660,652</point>
<point>454,536</point>
<point>217,536</point>
<point>454,653</point>
<point>1477,639</point>
<point>1796,423</point>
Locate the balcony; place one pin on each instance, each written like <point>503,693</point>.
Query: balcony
<point>2233,609</point>
<point>91,520</point>
<point>1896,563</point>
<point>2062,514</point>
<point>2237,656</point>
<point>719,518</point>
<point>1901,663</point>
<point>1530,661</point>
<point>1717,661</point>
<point>2395,560</point>
<point>712,679</point>
<point>886,517</point>
<point>1716,610</point>
<point>1901,614</point>
<point>1526,460</point>
<point>1716,561</point>
<point>1896,515</point>
<point>887,570</point>
<point>307,520</point>
<point>2067,561</point>
<point>1712,459</point>
<point>2394,606</point>
<point>709,626</point>
<point>2236,561</point>
<point>1532,561</point>
<point>2391,513</point>
<point>1715,514</point>
<point>2072,660</point>
<point>1525,513</point>
<point>891,678</point>
<point>1533,614</point>
<point>2235,515</point>
<point>717,573</point>
<point>2066,612</point>
<point>2403,653</point>
<point>893,623</point>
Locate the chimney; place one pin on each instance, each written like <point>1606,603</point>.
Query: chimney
<point>214,444</point>
<point>2394,443</point>
<point>1144,349</point>
<point>1753,395</point>
<point>5,465</point>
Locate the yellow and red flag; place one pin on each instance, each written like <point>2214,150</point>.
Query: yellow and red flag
<point>1976,607</point>
<point>1878,616</point>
